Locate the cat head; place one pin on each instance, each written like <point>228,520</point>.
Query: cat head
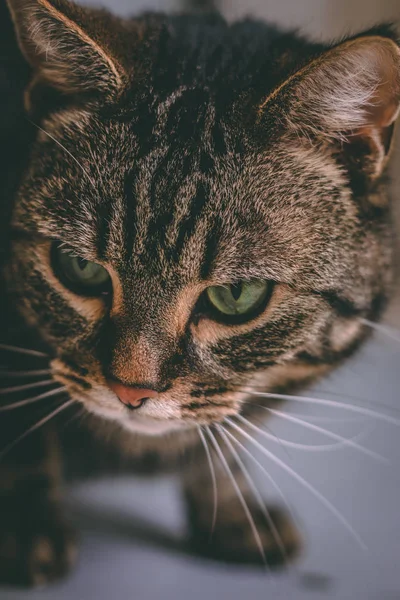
<point>204,211</point>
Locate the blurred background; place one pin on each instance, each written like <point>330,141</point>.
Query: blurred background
<point>133,530</point>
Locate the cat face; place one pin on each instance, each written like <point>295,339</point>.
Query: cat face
<point>193,244</point>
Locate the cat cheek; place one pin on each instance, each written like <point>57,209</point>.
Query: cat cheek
<point>344,332</point>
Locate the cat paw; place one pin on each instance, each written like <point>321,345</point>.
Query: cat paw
<point>35,550</point>
<point>233,539</point>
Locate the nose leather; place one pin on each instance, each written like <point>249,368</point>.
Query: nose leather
<point>131,396</point>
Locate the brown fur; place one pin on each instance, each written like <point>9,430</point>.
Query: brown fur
<point>162,157</point>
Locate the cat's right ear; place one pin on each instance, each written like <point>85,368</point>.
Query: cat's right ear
<point>351,95</point>
<point>67,47</point>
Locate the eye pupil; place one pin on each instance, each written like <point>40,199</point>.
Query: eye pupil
<point>236,290</point>
<point>82,263</point>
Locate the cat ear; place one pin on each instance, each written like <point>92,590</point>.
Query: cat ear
<point>350,94</point>
<point>66,47</point>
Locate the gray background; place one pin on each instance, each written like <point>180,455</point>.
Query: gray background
<point>132,530</point>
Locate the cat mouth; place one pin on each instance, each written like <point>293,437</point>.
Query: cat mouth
<point>135,421</point>
<point>150,418</point>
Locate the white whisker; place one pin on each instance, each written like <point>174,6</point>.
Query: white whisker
<point>279,441</point>
<point>341,441</point>
<point>78,415</point>
<point>302,481</point>
<point>35,427</point>
<point>382,329</point>
<point>213,478</point>
<point>316,448</point>
<point>256,493</point>
<point>27,386</point>
<point>18,350</point>
<point>89,178</point>
<point>390,407</point>
<point>238,493</point>
<point>320,419</point>
<point>333,403</point>
<point>23,374</point>
<point>264,471</point>
<point>49,394</point>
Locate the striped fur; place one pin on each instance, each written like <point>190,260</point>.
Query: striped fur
<point>199,153</point>
<point>167,226</point>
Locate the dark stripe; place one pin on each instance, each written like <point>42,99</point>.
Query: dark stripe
<point>342,306</point>
<point>165,188</point>
<point>211,248</point>
<point>130,210</point>
<point>188,225</point>
<point>345,308</point>
<point>196,405</point>
<point>378,305</point>
<point>206,163</point>
<point>329,357</point>
<point>81,371</point>
<point>218,139</point>
<point>186,118</point>
<point>312,359</point>
<point>209,392</point>
<point>78,380</point>
<point>103,227</point>
<point>214,61</point>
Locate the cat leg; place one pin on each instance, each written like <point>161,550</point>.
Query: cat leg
<point>36,545</point>
<point>272,535</point>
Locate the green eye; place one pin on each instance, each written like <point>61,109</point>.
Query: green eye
<point>80,275</point>
<point>242,299</point>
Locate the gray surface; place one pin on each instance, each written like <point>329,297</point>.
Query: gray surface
<point>119,560</point>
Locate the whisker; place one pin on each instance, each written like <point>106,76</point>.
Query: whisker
<point>43,396</point>
<point>256,493</point>
<point>320,419</point>
<point>302,481</point>
<point>27,386</point>
<point>382,329</point>
<point>342,441</point>
<point>278,440</point>
<point>264,471</point>
<point>18,350</point>
<point>213,478</point>
<point>256,390</point>
<point>316,448</point>
<point>89,178</point>
<point>238,493</point>
<point>80,414</point>
<point>334,403</point>
<point>37,425</point>
<point>23,374</point>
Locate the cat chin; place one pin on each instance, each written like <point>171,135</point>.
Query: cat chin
<point>142,425</point>
<point>153,427</point>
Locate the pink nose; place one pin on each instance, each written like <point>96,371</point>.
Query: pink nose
<point>131,396</point>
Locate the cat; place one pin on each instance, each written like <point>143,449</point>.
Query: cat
<point>203,216</point>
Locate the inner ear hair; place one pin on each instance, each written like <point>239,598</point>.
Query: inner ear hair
<point>67,47</point>
<point>351,93</point>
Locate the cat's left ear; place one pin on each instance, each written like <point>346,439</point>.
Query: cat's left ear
<point>67,47</point>
<point>350,94</point>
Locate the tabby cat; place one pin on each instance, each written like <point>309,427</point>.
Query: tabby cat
<point>203,216</point>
